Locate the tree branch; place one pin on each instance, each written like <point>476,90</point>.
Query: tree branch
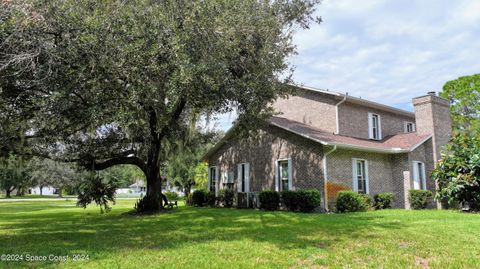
<point>119,160</point>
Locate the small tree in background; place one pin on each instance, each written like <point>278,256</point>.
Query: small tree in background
<point>13,175</point>
<point>464,95</point>
<point>458,172</point>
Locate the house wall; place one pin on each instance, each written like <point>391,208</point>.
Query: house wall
<point>380,176</point>
<point>353,121</point>
<point>311,108</point>
<point>262,150</point>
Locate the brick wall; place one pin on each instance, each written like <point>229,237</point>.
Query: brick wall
<point>262,150</point>
<point>353,120</point>
<point>309,107</point>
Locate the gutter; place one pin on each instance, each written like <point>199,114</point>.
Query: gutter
<point>336,113</point>
<point>325,176</point>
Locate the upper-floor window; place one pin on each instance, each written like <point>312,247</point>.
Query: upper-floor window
<point>374,126</point>
<point>409,127</point>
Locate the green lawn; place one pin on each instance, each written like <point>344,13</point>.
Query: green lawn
<point>231,238</point>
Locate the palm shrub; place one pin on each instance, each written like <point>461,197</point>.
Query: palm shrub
<point>95,188</point>
<point>419,199</point>
<point>290,200</point>
<point>269,200</point>
<point>198,198</point>
<point>171,196</point>
<point>308,200</point>
<point>350,201</point>
<point>383,200</point>
<point>210,198</point>
<point>458,172</point>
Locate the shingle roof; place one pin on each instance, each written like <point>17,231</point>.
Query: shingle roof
<point>398,143</point>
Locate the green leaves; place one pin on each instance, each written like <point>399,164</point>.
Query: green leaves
<point>458,172</point>
<point>464,94</point>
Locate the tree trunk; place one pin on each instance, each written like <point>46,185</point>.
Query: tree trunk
<point>41,190</point>
<point>7,193</point>
<point>60,192</point>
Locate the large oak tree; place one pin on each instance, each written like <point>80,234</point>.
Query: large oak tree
<point>112,82</point>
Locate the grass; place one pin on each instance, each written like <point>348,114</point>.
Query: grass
<point>231,238</point>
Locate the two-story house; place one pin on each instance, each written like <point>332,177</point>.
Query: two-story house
<point>332,141</point>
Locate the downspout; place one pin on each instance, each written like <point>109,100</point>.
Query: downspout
<point>325,176</point>
<point>336,113</point>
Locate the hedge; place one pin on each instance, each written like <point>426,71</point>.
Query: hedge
<point>269,200</point>
<point>419,199</point>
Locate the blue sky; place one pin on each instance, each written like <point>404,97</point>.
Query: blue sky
<point>387,50</point>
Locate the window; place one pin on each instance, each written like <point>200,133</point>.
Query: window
<point>243,183</point>
<point>212,178</point>
<point>284,175</point>
<point>374,126</point>
<point>409,127</point>
<point>360,176</point>
<point>419,179</point>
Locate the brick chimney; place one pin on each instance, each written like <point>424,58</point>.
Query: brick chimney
<point>432,117</point>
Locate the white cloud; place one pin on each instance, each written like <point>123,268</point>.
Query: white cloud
<point>388,51</point>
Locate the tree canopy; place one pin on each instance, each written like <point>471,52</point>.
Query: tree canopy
<point>103,83</point>
<point>464,94</point>
<point>458,172</point>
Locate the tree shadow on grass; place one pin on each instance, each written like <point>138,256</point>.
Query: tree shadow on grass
<point>74,231</point>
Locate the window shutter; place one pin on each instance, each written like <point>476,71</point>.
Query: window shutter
<point>209,177</point>
<point>424,177</point>
<point>405,128</point>
<point>379,128</point>
<point>367,187</point>
<point>276,176</point>
<point>239,178</point>
<point>354,175</point>
<point>290,176</point>
<point>247,177</point>
<point>416,179</point>
<point>414,127</point>
<point>217,177</point>
<point>370,126</point>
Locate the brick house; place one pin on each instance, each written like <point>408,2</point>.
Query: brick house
<point>331,142</point>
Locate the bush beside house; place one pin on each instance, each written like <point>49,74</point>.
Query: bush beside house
<point>419,199</point>
<point>302,200</point>
<point>383,200</point>
<point>198,198</point>
<point>269,200</point>
<point>350,201</point>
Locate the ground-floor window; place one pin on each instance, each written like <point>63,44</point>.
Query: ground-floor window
<point>283,175</point>
<point>212,178</point>
<point>419,179</point>
<point>360,176</point>
<point>243,177</point>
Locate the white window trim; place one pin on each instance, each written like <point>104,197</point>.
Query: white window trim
<point>354,175</point>
<point>405,123</point>
<point>277,175</point>
<point>247,177</point>
<point>416,174</point>
<point>370,126</point>
<point>216,178</point>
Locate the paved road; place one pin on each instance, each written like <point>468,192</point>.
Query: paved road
<point>48,199</point>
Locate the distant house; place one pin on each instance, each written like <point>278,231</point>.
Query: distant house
<point>332,141</point>
<point>43,190</point>
<point>138,187</point>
